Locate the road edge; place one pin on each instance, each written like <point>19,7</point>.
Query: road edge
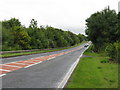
<point>70,71</point>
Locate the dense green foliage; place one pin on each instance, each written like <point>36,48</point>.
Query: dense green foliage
<point>113,51</point>
<point>16,36</point>
<point>104,32</point>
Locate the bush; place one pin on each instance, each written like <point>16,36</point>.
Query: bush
<point>113,51</point>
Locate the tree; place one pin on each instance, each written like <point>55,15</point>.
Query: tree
<point>102,28</point>
<point>33,24</point>
<point>21,37</point>
<point>11,23</point>
<point>17,36</point>
<point>81,37</point>
<point>118,28</point>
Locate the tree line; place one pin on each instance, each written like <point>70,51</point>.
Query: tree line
<point>103,29</point>
<point>18,37</point>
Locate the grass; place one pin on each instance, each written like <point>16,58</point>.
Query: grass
<point>35,52</point>
<point>92,72</point>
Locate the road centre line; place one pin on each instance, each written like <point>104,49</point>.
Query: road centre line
<point>50,58</point>
<point>5,70</point>
<point>2,75</point>
<point>32,64</point>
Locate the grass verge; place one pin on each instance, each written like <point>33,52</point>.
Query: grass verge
<point>35,52</point>
<point>94,72</point>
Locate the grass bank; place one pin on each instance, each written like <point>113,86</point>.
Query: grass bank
<point>35,52</point>
<point>94,72</point>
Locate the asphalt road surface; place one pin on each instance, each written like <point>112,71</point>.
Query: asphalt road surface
<point>45,70</point>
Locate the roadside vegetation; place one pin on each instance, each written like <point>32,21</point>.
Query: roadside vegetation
<point>100,68</point>
<point>35,52</point>
<point>18,37</point>
<point>94,71</point>
<point>103,29</point>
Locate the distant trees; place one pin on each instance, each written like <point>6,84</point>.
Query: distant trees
<point>8,28</point>
<point>21,37</point>
<point>103,29</point>
<point>17,37</point>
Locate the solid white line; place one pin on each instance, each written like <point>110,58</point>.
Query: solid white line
<point>2,75</point>
<point>67,76</point>
<point>32,64</point>
<point>5,70</point>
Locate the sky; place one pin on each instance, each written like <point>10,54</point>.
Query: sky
<point>64,14</point>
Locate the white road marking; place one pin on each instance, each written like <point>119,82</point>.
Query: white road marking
<point>29,62</point>
<point>64,81</point>
<point>32,64</point>
<point>21,63</point>
<point>5,70</point>
<point>37,57</point>
<point>11,66</point>
<point>67,76</point>
<point>20,60</point>
<point>2,75</point>
<point>50,58</point>
<point>8,63</point>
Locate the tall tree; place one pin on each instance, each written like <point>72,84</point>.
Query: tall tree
<point>102,28</point>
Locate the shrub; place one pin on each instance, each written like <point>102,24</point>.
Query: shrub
<point>113,51</point>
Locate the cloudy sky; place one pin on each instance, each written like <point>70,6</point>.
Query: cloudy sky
<point>65,14</point>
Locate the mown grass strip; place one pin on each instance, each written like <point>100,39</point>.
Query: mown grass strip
<point>92,72</point>
<point>35,52</point>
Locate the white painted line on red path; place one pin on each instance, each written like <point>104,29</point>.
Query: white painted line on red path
<point>2,75</point>
<point>5,70</point>
<point>11,66</point>
<point>50,58</point>
<point>32,64</point>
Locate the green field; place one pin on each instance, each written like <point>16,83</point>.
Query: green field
<point>94,72</point>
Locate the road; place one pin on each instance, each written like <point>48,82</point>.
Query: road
<point>45,70</point>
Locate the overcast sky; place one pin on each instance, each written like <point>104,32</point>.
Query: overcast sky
<point>65,14</point>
